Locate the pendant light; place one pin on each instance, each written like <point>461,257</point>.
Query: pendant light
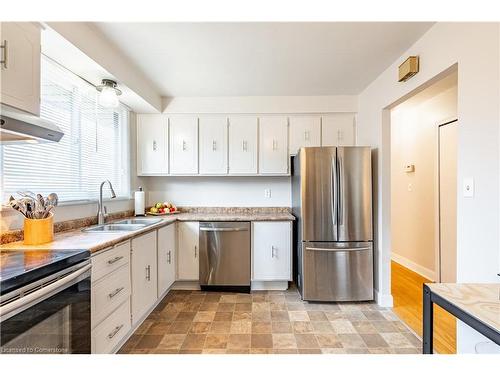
<point>109,93</point>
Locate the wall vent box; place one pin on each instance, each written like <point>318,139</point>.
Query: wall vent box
<point>408,69</point>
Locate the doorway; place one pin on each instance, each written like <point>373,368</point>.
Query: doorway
<point>423,203</point>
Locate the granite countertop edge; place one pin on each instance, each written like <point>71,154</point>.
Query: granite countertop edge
<point>95,242</point>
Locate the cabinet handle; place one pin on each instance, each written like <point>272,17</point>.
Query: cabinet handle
<point>214,145</point>
<point>155,146</point>
<point>339,135</point>
<point>184,146</point>
<point>169,257</point>
<point>114,260</point>
<point>274,251</point>
<point>275,145</point>
<point>245,146</point>
<point>116,291</point>
<point>148,273</point>
<point>115,331</point>
<point>5,49</point>
<point>195,251</point>
<point>306,135</point>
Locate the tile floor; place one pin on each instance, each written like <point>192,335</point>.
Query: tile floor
<point>195,322</point>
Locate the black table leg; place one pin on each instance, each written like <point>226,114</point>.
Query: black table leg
<point>428,327</point>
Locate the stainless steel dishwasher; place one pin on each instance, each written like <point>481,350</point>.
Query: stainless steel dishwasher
<point>225,256</point>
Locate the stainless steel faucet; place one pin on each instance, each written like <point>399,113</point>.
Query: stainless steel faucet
<point>101,210</point>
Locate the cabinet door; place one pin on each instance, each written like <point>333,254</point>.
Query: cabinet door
<point>305,131</point>
<point>184,145</point>
<point>20,74</point>
<point>243,145</point>
<point>152,144</point>
<point>273,145</point>
<point>271,251</point>
<point>338,130</point>
<point>188,265</point>
<point>144,275</point>
<point>213,145</point>
<point>166,258</point>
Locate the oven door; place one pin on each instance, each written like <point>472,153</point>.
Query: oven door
<point>50,316</point>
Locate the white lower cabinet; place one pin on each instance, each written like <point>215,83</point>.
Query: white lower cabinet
<point>188,264</point>
<point>144,275</point>
<point>108,334</point>
<point>272,251</point>
<point>166,258</point>
<point>110,298</point>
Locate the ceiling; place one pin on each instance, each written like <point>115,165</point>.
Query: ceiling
<point>253,59</point>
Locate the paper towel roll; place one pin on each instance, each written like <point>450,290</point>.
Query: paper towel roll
<point>140,205</point>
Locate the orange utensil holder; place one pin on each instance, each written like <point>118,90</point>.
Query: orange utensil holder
<point>38,231</point>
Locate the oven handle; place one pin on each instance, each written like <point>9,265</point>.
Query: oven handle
<point>41,293</point>
<point>338,249</point>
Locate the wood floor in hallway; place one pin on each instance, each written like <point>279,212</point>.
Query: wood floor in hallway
<point>407,294</point>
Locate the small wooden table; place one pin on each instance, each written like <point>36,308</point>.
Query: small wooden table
<point>477,305</point>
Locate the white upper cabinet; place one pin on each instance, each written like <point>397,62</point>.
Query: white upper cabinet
<point>20,67</point>
<point>305,131</point>
<point>183,145</point>
<point>243,145</point>
<point>152,145</point>
<point>338,130</point>
<point>273,145</point>
<point>213,145</point>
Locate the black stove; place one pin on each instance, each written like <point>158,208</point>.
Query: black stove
<point>20,267</point>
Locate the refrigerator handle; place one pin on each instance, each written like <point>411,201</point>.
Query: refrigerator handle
<point>334,192</point>
<point>341,188</point>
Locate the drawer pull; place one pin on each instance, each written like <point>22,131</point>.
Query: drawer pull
<point>274,251</point>
<point>115,259</point>
<point>148,273</point>
<point>115,331</point>
<point>169,259</point>
<point>117,290</point>
<point>5,49</point>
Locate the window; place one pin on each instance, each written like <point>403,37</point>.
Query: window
<point>94,147</point>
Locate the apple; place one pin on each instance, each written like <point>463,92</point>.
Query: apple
<point>172,209</point>
<point>158,205</point>
<point>153,210</point>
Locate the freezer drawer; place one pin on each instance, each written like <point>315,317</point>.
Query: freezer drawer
<point>337,271</point>
<point>224,254</point>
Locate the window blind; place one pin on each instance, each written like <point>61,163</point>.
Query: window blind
<point>94,147</point>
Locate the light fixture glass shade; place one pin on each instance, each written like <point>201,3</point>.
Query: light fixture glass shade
<point>108,98</point>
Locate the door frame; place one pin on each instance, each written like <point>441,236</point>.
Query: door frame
<point>437,210</point>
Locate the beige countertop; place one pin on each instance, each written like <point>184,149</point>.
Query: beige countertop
<point>479,300</point>
<point>92,241</point>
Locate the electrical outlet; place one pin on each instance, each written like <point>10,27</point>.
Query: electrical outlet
<point>267,193</point>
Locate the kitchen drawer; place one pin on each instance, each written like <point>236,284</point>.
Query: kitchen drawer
<point>110,260</point>
<point>107,335</point>
<point>110,292</point>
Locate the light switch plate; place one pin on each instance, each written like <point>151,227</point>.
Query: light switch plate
<point>468,187</point>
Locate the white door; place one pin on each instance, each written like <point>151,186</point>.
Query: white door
<point>243,145</point>
<point>305,131</point>
<point>448,202</point>
<point>213,145</point>
<point>271,251</point>
<point>152,144</point>
<point>20,73</point>
<point>338,130</point>
<point>166,258</point>
<point>183,145</point>
<point>144,275</point>
<point>273,145</point>
<point>188,264</point>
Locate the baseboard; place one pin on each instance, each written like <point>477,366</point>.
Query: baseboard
<point>422,271</point>
<point>269,285</point>
<point>186,285</point>
<point>383,300</point>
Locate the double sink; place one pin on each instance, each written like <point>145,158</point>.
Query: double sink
<point>127,225</point>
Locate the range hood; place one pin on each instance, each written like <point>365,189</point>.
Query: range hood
<point>18,126</point>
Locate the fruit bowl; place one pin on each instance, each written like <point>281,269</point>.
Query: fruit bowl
<point>162,214</point>
<point>162,209</point>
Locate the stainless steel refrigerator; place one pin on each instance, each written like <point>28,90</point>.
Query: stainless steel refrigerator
<point>332,201</point>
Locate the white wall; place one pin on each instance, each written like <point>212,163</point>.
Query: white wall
<point>414,196</point>
<point>475,47</point>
